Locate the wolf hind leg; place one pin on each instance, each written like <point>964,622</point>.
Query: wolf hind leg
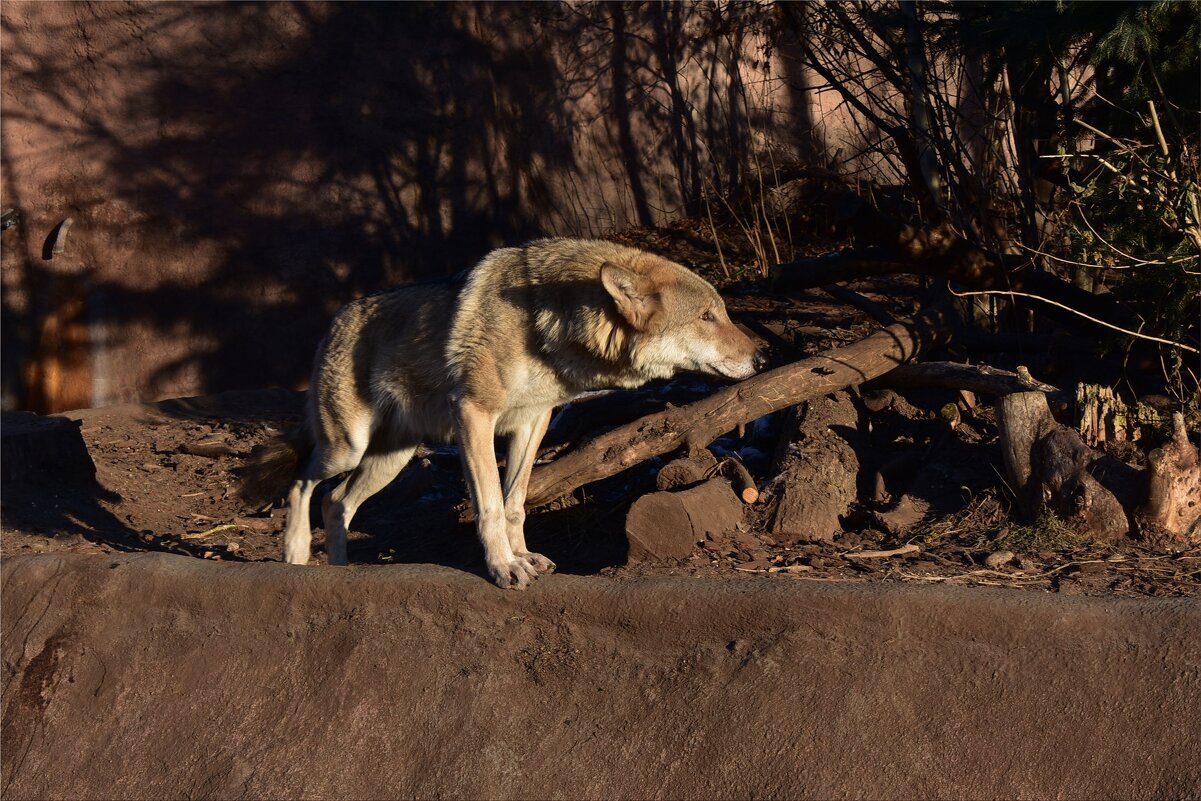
<point>378,467</point>
<point>327,460</point>
<point>523,450</point>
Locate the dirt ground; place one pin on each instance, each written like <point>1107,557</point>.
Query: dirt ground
<point>165,482</point>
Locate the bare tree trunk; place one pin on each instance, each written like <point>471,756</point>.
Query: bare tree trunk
<point>918,104</point>
<point>621,110</point>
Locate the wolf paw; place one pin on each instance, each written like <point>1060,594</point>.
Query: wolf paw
<point>538,561</point>
<point>514,575</point>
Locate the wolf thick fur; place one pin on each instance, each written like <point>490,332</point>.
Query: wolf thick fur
<point>529,329</point>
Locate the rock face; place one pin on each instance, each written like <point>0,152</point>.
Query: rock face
<point>158,676</point>
<point>199,278</point>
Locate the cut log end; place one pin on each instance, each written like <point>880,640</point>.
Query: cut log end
<point>742,481</point>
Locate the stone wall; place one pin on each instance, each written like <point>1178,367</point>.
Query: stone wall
<point>234,173</point>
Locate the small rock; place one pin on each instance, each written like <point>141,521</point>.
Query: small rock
<point>746,541</point>
<point>850,540</point>
<point>233,547</point>
<point>998,559</point>
<point>150,467</point>
<point>1027,565</point>
<point>879,400</point>
<point>908,512</point>
<point>209,450</point>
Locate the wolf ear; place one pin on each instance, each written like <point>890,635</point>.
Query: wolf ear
<point>635,295</point>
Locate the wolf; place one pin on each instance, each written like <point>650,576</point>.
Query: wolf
<point>489,354</point>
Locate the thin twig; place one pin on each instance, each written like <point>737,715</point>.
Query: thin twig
<point>904,549</point>
<point>1163,143</point>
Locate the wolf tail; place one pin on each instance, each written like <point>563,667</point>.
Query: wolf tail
<point>273,465</point>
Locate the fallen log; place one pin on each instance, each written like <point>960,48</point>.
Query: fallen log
<point>687,471</point>
<point>699,423</point>
<point>741,479</point>
<point>979,379</point>
<point>865,305</point>
<point>661,526</point>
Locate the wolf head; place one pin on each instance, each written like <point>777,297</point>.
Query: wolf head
<point>679,321</point>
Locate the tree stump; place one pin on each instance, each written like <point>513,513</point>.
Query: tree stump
<point>820,479</point>
<point>1049,467</point>
<point>1174,487</point>
<point>36,448</point>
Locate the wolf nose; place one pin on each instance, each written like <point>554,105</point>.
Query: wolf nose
<point>759,360</point>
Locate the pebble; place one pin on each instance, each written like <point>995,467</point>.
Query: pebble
<point>998,559</point>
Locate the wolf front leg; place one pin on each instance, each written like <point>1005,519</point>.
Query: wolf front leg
<point>523,449</point>
<point>476,428</point>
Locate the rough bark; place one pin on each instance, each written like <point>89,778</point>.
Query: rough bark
<point>1174,487</point>
<point>698,424</point>
<point>1048,466</point>
<point>820,479</point>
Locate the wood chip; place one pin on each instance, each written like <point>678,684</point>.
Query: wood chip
<point>210,450</point>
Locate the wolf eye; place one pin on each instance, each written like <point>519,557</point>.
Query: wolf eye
<point>708,317</point>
